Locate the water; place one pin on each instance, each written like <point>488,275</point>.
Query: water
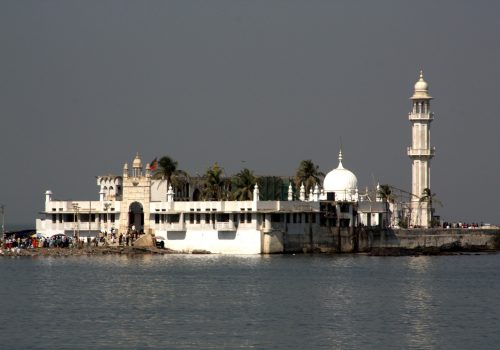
<point>258,302</point>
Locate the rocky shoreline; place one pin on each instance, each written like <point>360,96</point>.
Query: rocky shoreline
<point>137,251</point>
<point>85,251</point>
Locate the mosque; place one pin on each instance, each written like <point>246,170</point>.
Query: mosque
<point>137,201</point>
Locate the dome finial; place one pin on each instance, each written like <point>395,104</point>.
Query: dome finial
<point>421,74</point>
<point>340,159</point>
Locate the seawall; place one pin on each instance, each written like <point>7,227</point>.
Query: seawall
<point>381,241</point>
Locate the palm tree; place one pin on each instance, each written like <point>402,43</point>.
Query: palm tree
<point>308,174</point>
<point>429,198</point>
<point>386,194</point>
<point>215,185</point>
<point>245,183</point>
<point>167,170</point>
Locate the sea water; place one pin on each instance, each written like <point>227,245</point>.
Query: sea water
<point>255,302</point>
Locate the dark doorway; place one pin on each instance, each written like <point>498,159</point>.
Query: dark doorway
<point>136,216</point>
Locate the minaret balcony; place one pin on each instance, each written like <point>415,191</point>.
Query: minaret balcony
<point>421,152</point>
<point>421,116</point>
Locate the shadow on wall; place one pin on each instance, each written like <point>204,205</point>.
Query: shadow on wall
<point>176,236</point>
<point>231,235</point>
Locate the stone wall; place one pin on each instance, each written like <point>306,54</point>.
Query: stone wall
<point>353,240</point>
<point>435,238</point>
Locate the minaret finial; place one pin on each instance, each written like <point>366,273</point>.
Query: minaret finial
<point>421,74</point>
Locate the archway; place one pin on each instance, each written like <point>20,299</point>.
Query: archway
<point>136,216</point>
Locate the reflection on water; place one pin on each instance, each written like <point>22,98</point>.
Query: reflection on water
<point>418,305</point>
<point>281,302</point>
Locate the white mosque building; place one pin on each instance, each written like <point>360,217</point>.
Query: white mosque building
<point>136,201</point>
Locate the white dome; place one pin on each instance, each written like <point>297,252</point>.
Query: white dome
<point>421,89</point>
<point>342,182</point>
<point>137,162</point>
<point>421,84</point>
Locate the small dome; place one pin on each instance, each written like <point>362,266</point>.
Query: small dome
<point>342,182</point>
<point>137,161</point>
<point>421,84</point>
<point>421,89</point>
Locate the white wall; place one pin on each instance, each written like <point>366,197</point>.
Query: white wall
<point>222,242</point>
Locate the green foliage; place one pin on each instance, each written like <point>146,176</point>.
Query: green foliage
<point>385,193</point>
<point>215,185</point>
<point>429,198</point>
<point>308,174</point>
<point>245,183</point>
<point>272,188</point>
<point>167,170</point>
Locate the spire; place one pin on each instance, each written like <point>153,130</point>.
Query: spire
<point>378,195</point>
<point>256,192</point>
<point>170,194</point>
<point>340,159</point>
<point>125,170</point>
<point>290,192</point>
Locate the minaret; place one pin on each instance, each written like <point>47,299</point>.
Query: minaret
<point>420,152</point>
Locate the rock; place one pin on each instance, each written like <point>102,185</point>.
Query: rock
<point>200,251</point>
<point>146,240</point>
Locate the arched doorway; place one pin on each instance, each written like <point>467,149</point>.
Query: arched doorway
<point>136,216</point>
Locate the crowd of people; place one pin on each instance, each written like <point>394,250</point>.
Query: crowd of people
<point>462,225</point>
<point>63,241</point>
<point>60,241</point>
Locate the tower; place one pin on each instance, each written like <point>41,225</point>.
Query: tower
<point>420,153</point>
<point>136,198</point>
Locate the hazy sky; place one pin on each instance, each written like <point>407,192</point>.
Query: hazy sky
<point>84,85</point>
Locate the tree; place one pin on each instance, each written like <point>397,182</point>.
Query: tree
<point>272,188</point>
<point>245,183</point>
<point>429,198</point>
<point>167,170</point>
<point>385,193</point>
<point>308,174</point>
<point>215,186</point>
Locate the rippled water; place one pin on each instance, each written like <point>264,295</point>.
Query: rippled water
<point>262,302</point>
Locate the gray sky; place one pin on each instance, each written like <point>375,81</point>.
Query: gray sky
<point>86,84</point>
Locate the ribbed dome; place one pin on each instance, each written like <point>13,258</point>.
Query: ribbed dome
<point>342,182</point>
